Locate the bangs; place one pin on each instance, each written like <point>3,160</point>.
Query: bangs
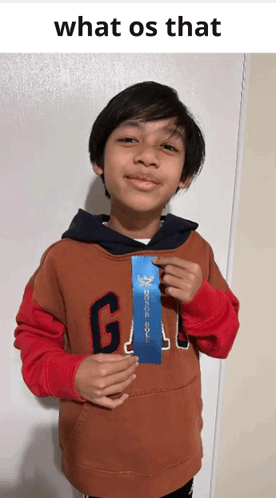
<point>148,108</point>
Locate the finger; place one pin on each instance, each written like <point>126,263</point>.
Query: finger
<point>171,280</point>
<point>101,357</point>
<point>117,402</point>
<point>173,260</point>
<point>111,403</point>
<point>116,382</point>
<point>175,270</point>
<point>114,389</point>
<point>117,365</point>
<point>176,293</point>
<point>164,290</point>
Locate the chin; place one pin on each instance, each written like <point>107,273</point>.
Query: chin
<point>143,206</point>
<point>141,203</point>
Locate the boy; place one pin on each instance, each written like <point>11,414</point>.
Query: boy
<point>134,281</point>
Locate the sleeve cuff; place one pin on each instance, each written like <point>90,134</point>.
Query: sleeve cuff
<point>203,306</point>
<point>61,371</point>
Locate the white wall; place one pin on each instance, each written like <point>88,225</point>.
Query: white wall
<point>48,104</point>
<point>247,455</point>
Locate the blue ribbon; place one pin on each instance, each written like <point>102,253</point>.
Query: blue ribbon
<point>147,314</point>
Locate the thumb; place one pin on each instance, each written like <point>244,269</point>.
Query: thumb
<point>113,357</point>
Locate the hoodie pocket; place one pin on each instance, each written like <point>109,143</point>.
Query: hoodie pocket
<point>150,432</point>
<point>72,416</point>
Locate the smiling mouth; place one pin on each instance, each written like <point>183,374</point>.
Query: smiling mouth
<point>140,179</point>
<point>142,183</point>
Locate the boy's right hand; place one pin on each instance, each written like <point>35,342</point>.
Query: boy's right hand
<point>100,375</point>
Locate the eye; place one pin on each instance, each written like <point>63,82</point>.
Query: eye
<point>127,140</point>
<point>169,147</point>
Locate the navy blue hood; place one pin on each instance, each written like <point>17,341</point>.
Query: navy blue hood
<point>86,227</point>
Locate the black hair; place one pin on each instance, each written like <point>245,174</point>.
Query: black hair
<point>148,101</point>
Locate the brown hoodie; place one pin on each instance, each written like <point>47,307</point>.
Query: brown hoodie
<point>79,302</point>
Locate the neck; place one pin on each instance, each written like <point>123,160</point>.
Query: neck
<point>133,224</point>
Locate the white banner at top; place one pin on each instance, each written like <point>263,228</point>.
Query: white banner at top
<point>137,27</point>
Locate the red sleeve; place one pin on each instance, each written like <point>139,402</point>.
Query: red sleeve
<point>46,367</point>
<point>212,316</point>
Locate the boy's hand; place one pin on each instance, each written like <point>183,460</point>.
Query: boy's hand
<point>182,278</point>
<point>100,375</point>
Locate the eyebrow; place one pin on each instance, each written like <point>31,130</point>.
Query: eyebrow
<point>165,130</point>
<point>173,132</point>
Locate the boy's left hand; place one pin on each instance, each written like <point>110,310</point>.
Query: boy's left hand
<point>182,278</point>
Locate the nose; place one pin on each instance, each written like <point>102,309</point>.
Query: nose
<point>146,154</point>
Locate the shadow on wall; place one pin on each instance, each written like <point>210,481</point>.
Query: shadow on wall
<point>39,472</point>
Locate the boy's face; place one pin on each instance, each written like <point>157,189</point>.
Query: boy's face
<point>143,163</point>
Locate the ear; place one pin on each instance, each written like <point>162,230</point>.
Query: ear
<point>97,169</point>
<point>183,185</point>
